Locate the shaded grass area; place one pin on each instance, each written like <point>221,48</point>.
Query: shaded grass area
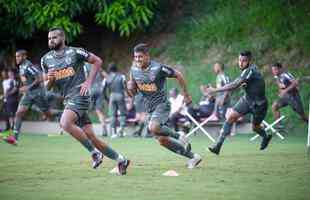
<point>58,168</point>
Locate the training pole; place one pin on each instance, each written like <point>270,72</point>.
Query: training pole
<point>308,141</point>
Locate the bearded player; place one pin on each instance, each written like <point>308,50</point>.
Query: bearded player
<point>149,78</point>
<point>64,68</point>
<point>254,101</point>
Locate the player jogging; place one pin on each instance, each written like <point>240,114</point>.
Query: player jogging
<point>64,68</point>
<point>149,78</point>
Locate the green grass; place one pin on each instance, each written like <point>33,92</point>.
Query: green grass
<point>44,167</point>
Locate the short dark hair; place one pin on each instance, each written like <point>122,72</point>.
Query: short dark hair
<point>246,53</point>
<point>277,65</point>
<point>112,67</point>
<point>142,47</point>
<point>61,30</point>
<point>22,51</point>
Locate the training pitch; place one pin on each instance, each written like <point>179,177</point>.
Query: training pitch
<point>58,167</point>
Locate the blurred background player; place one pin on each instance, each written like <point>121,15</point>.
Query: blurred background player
<point>64,68</point>
<point>32,88</point>
<point>116,85</point>
<point>149,78</point>
<point>222,98</point>
<point>11,97</point>
<point>254,101</point>
<point>288,93</point>
<point>97,97</point>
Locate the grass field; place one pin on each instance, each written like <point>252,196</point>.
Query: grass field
<point>44,167</point>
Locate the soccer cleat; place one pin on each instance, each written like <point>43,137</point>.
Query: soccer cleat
<point>265,142</point>
<point>113,136</point>
<point>97,159</point>
<point>192,163</point>
<point>216,148</point>
<point>122,166</point>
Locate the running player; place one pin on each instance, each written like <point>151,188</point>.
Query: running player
<point>149,78</point>
<point>97,97</point>
<point>254,101</point>
<point>288,93</point>
<point>64,68</point>
<point>32,88</point>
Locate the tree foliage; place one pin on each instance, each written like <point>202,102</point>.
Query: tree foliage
<point>22,18</point>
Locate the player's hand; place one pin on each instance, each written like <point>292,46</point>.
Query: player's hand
<point>210,91</point>
<point>23,89</point>
<point>85,87</point>
<point>131,88</point>
<point>51,74</point>
<point>187,98</point>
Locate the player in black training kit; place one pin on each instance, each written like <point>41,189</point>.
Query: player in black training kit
<point>254,101</point>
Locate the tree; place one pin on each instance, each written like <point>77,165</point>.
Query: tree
<point>22,18</point>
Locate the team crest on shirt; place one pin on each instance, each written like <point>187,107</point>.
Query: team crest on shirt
<point>152,76</point>
<point>68,60</point>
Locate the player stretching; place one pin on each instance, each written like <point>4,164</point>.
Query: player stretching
<point>64,68</point>
<point>254,101</point>
<point>33,90</point>
<point>288,93</point>
<point>149,78</point>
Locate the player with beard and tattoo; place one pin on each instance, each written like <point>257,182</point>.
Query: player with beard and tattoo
<point>32,88</point>
<point>63,67</point>
<point>254,101</point>
<point>149,78</point>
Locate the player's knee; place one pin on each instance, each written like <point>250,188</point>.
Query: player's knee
<point>231,118</point>
<point>163,140</point>
<point>154,128</point>
<point>65,125</point>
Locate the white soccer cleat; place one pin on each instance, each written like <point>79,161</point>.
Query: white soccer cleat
<point>97,159</point>
<point>113,136</point>
<point>192,163</point>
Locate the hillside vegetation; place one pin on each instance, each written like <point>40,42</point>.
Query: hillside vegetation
<point>217,30</point>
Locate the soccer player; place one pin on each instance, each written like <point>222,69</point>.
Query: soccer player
<point>11,97</point>
<point>64,68</point>
<point>97,97</point>
<point>288,92</point>
<point>32,88</point>
<point>149,78</point>
<point>222,98</point>
<point>116,84</point>
<point>254,101</point>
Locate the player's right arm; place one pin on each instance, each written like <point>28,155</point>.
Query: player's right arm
<point>49,75</point>
<point>131,86</point>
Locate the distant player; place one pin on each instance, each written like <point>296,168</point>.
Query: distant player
<point>97,97</point>
<point>32,88</point>
<point>288,93</point>
<point>64,68</point>
<point>149,78</point>
<point>254,101</point>
<point>116,85</point>
<point>222,98</point>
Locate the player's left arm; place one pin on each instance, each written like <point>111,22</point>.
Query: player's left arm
<point>96,65</point>
<point>173,73</point>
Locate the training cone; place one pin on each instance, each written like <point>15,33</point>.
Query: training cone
<point>170,173</point>
<point>114,171</point>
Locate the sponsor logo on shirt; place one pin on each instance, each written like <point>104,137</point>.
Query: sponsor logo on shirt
<point>64,73</point>
<point>147,87</point>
